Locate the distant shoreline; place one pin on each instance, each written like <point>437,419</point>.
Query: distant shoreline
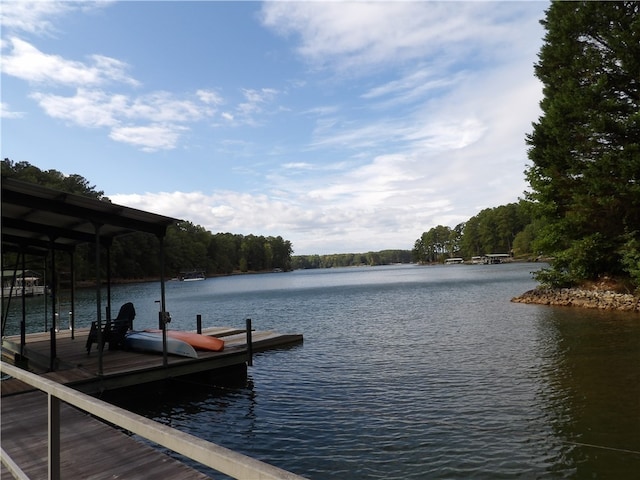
<point>126,281</point>
<point>577,297</point>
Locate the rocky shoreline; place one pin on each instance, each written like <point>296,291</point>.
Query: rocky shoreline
<point>576,297</point>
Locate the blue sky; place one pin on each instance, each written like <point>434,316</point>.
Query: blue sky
<point>340,126</point>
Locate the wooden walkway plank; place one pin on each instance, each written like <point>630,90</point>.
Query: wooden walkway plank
<point>90,449</point>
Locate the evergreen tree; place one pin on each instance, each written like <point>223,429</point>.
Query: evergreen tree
<point>585,148</point>
<point>136,255</point>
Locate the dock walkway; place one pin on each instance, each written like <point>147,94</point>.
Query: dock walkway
<point>89,448</point>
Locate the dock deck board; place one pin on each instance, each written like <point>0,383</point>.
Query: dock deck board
<point>88,448</point>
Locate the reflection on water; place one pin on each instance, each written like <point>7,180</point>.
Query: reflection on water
<point>409,372</point>
<point>592,393</point>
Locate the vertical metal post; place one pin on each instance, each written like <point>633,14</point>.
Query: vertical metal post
<point>199,323</point>
<point>163,306</point>
<point>72,313</point>
<point>23,320</point>
<point>107,321</point>
<point>249,344</point>
<point>54,437</point>
<point>2,295</point>
<point>162,327</point>
<point>46,297</point>
<point>108,249</point>
<point>54,293</point>
<point>98,300</point>
<point>54,351</point>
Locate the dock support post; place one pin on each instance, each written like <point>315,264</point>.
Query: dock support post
<point>52,349</point>
<point>98,298</point>
<point>162,325</point>
<point>199,324</point>
<point>72,316</point>
<point>23,320</point>
<point>163,304</point>
<point>249,344</point>
<point>54,438</point>
<point>54,306</point>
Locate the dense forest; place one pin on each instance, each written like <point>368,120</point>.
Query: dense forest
<point>505,229</point>
<point>383,257</point>
<point>136,256</point>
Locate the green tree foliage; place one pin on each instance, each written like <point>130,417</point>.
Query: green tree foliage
<point>384,257</point>
<point>186,246</point>
<point>137,255</point>
<point>585,149</point>
<point>281,251</point>
<point>493,230</point>
<point>224,249</point>
<point>26,172</point>
<point>437,244</point>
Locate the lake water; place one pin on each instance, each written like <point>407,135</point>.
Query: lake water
<point>408,372</point>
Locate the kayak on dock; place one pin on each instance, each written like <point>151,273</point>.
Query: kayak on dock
<point>152,342</point>
<point>196,340</point>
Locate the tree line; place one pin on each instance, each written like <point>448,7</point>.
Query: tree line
<point>188,247</point>
<point>504,229</point>
<point>383,257</point>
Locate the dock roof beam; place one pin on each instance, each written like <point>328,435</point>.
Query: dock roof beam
<point>44,219</point>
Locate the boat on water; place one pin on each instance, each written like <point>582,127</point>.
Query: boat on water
<point>191,276</point>
<point>29,282</point>
<point>196,340</point>
<point>152,342</point>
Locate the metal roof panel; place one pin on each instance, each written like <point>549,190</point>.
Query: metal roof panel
<point>33,215</point>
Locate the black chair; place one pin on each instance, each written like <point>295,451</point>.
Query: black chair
<point>114,331</point>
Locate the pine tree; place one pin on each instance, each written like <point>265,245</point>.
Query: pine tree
<point>585,148</point>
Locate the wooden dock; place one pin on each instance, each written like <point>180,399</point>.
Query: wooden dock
<point>79,370</point>
<point>89,448</point>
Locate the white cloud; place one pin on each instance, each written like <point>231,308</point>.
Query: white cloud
<point>327,227</point>
<point>38,16</point>
<point>87,108</point>
<point>164,107</point>
<point>299,166</point>
<point>255,103</point>
<point>148,137</point>
<point>6,112</point>
<point>209,97</point>
<point>163,116</point>
<point>349,36</point>
<point>28,63</point>
<point>161,113</point>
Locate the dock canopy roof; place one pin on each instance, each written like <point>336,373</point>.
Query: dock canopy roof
<point>38,217</point>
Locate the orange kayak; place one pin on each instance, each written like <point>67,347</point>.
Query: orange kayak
<point>196,340</point>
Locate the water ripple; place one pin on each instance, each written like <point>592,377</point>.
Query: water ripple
<point>413,373</point>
